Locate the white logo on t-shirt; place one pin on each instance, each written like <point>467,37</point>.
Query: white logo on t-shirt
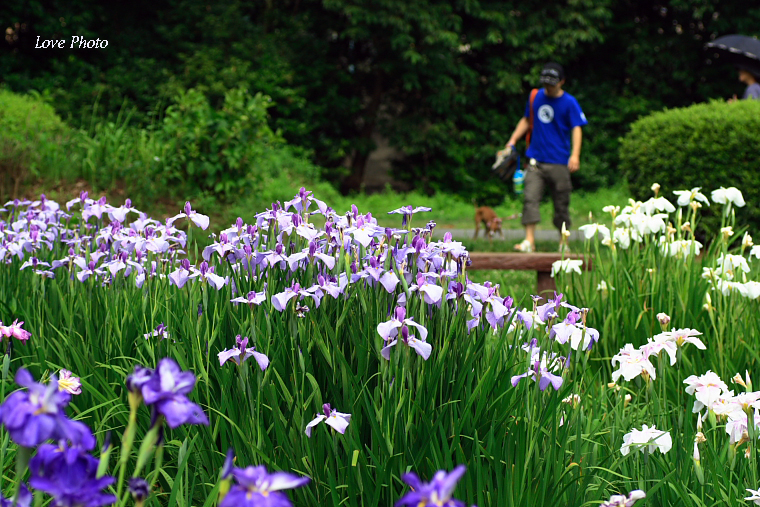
<point>546,113</point>
<point>583,117</point>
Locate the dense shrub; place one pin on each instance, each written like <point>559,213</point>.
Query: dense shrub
<point>217,150</point>
<point>31,134</point>
<point>706,145</point>
<point>196,152</point>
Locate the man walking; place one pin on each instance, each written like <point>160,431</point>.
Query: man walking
<point>554,151</point>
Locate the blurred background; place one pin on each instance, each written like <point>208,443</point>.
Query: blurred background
<point>236,103</point>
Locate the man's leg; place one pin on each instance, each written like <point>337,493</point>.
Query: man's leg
<point>561,188</point>
<point>534,189</point>
<point>530,234</point>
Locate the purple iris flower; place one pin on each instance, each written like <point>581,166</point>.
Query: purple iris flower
<point>159,331</point>
<point>422,347</point>
<point>255,487</point>
<point>252,298</point>
<point>431,292</point>
<point>436,493</point>
<point>401,253</point>
<point>482,292</point>
<point>500,309</point>
<point>377,273</point>
<point>325,286</point>
<point>309,232</point>
<point>34,262</point>
<point>389,281</point>
<point>276,256</point>
<point>448,246</point>
<point>87,268</point>
<point>457,291</point>
<point>240,352</point>
<point>139,377</point>
<point>167,390</point>
<point>312,252</point>
<point>364,232</point>
<point>139,488</point>
<point>180,276</point>
<point>546,312</point>
<point>407,212</point>
<point>14,331</point>
<point>69,475</point>
<point>229,460</point>
<point>222,247</point>
<point>562,331</point>
<point>36,414</point>
<point>375,269</point>
<point>195,217</point>
<point>207,274</point>
<point>541,373</point>
<point>572,317</point>
<point>531,348</point>
<point>119,214</point>
<point>281,299</point>
<point>525,318</point>
<point>24,498</point>
<point>336,420</point>
<point>300,202</point>
<point>95,209</point>
<point>573,308</point>
<point>557,300</point>
<point>388,330</point>
<point>419,244</point>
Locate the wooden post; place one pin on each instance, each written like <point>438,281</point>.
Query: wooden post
<point>545,283</point>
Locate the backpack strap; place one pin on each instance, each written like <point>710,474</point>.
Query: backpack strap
<point>533,94</point>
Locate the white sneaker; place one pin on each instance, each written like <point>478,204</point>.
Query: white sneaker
<point>524,247</point>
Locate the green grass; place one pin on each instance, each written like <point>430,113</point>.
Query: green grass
<point>452,212</point>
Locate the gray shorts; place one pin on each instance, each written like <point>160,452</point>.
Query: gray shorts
<point>557,178</point>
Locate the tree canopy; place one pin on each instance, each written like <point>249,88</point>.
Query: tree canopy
<point>445,81</point>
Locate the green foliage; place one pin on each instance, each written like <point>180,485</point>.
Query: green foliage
<point>444,82</point>
<point>31,140</point>
<point>113,154</point>
<point>197,152</point>
<point>217,151</point>
<point>705,145</point>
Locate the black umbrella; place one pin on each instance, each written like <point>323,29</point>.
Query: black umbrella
<point>739,50</point>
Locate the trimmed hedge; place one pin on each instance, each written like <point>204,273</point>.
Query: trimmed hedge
<point>706,145</point>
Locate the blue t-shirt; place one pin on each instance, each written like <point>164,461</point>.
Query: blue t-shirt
<point>553,122</point>
<point>752,92</point>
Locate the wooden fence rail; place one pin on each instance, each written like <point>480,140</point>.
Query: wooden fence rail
<point>541,263</point>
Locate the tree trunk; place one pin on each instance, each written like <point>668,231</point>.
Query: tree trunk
<point>361,154</point>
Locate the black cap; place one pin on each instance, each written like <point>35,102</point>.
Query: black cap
<point>552,74</point>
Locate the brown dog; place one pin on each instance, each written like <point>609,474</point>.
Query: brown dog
<point>490,221</point>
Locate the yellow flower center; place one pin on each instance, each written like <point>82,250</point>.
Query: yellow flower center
<point>66,385</point>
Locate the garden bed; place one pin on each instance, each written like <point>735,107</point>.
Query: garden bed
<point>353,354</point>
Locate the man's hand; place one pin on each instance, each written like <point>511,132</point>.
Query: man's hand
<point>574,163</point>
<point>507,149</point>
